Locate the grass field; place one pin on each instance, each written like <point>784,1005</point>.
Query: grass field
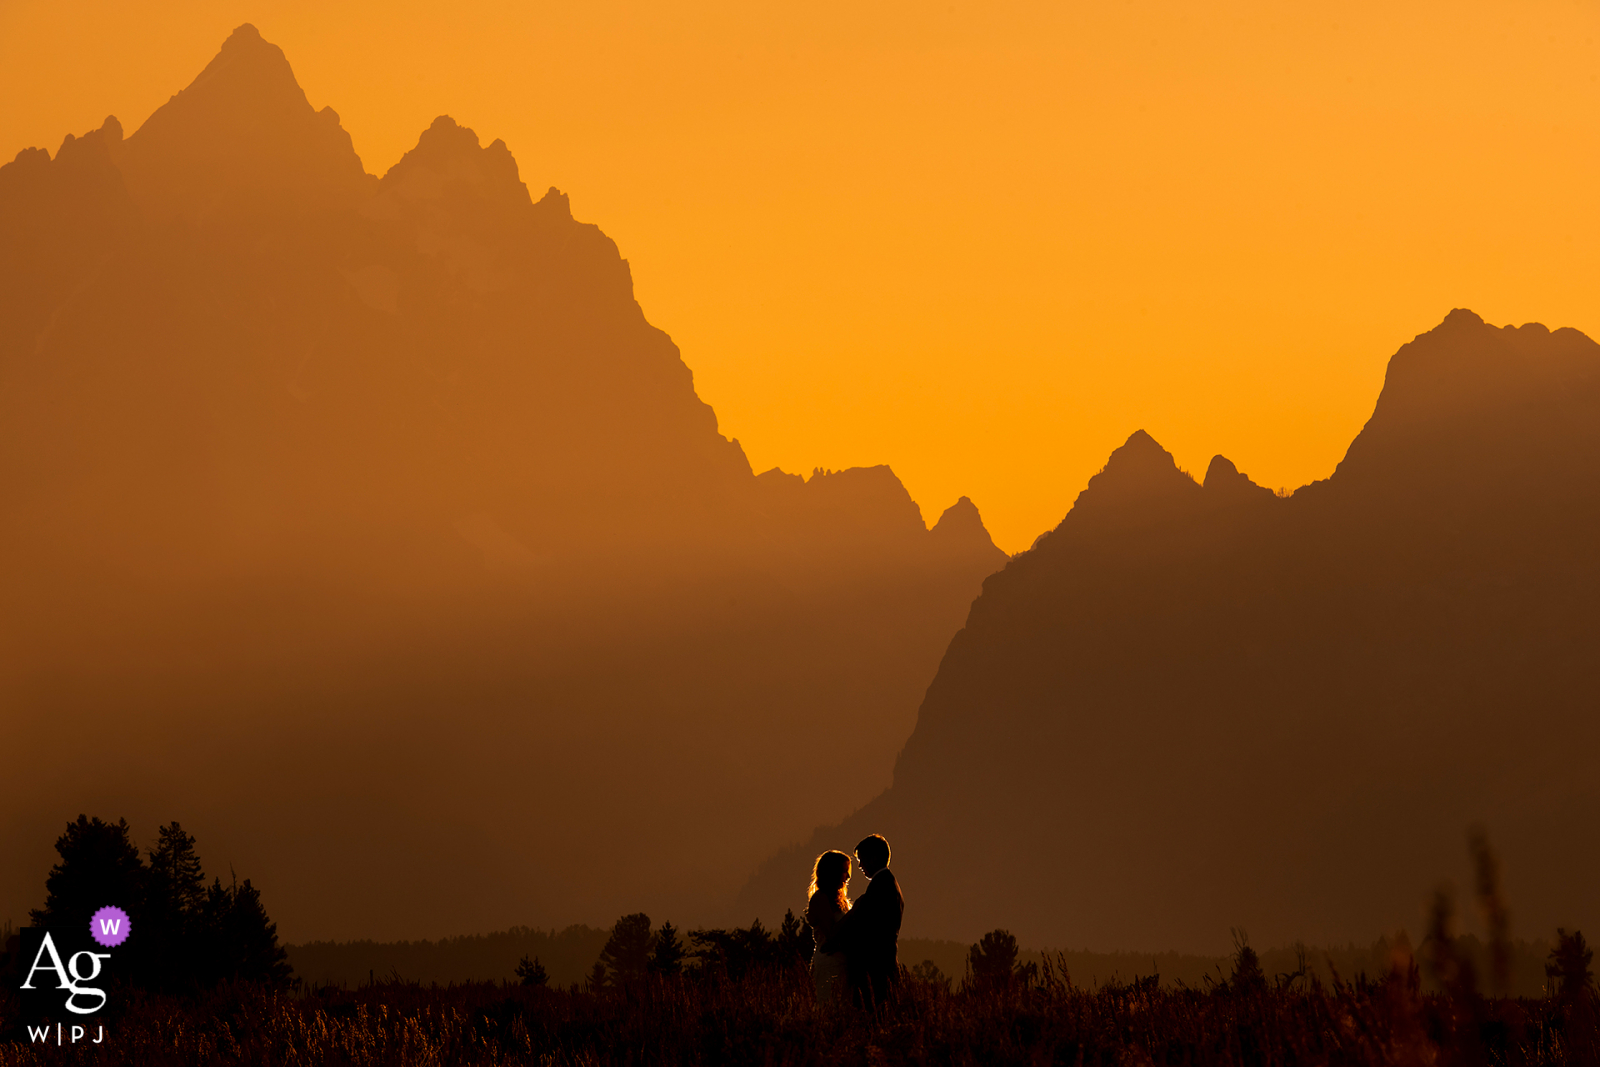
<point>769,1018</point>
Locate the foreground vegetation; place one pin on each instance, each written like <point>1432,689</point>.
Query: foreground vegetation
<point>768,1017</point>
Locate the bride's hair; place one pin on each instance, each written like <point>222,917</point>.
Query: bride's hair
<point>830,874</point>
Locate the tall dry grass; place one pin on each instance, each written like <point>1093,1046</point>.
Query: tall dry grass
<point>769,1019</point>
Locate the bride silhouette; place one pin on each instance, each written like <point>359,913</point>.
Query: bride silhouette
<point>826,905</point>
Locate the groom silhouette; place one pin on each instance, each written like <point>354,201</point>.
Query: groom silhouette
<point>869,932</point>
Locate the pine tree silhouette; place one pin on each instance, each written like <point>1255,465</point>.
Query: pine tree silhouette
<point>99,865</point>
<point>735,952</point>
<point>241,943</point>
<point>532,972</point>
<point>181,933</point>
<point>175,869</point>
<point>175,898</point>
<point>1248,977</point>
<point>626,956</point>
<point>666,959</point>
<point>795,940</point>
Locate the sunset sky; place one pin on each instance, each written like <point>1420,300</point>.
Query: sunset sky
<point>980,242</point>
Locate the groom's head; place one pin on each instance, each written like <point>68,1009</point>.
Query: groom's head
<point>873,854</point>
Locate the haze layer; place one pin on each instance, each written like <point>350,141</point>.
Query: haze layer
<point>368,528</point>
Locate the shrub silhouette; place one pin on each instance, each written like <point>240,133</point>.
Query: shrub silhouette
<point>929,972</point>
<point>993,960</point>
<point>532,972</point>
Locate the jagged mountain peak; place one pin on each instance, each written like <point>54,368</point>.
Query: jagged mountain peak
<point>962,515</point>
<point>241,133</point>
<point>249,67</point>
<point>449,155</point>
<point>1139,471</point>
<point>961,528</point>
<point>1140,456</point>
<point>554,204</point>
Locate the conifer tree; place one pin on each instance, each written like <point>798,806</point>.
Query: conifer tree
<point>666,959</point>
<point>181,933</point>
<point>175,869</point>
<point>99,865</point>
<point>241,943</point>
<point>532,972</point>
<point>175,897</point>
<point>627,954</point>
<point>795,940</point>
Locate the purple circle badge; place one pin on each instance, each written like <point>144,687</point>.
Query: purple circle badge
<point>109,926</point>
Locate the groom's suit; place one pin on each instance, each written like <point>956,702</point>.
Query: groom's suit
<point>869,936</point>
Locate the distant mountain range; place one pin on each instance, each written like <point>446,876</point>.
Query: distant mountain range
<point>1197,705</point>
<point>367,527</point>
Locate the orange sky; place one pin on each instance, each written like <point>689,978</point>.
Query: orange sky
<point>982,242</point>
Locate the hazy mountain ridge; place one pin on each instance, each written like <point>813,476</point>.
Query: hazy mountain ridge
<point>376,512</point>
<point>1191,707</point>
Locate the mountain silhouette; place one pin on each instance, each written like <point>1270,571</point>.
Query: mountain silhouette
<point>394,546</point>
<point>1199,705</point>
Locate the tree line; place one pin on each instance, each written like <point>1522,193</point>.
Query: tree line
<point>183,933</point>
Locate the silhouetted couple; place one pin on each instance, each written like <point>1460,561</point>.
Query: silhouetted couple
<point>857,945</point>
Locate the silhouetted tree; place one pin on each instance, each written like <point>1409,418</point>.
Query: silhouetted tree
<point>597,977</point>
<point>1569,965</point>
<point>174,902</point>
<point>175,870</point>
<point>99,865</point>
<point>626,956</point>
<point>181,934</point>
<point>1248,977</point>
<point>928,971</point>
<point>240,941</point>
<point>532,972</point>
<point>993,960</point>
<point>795,943</point>
<point>666,959</point>
<point>734,952</point>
